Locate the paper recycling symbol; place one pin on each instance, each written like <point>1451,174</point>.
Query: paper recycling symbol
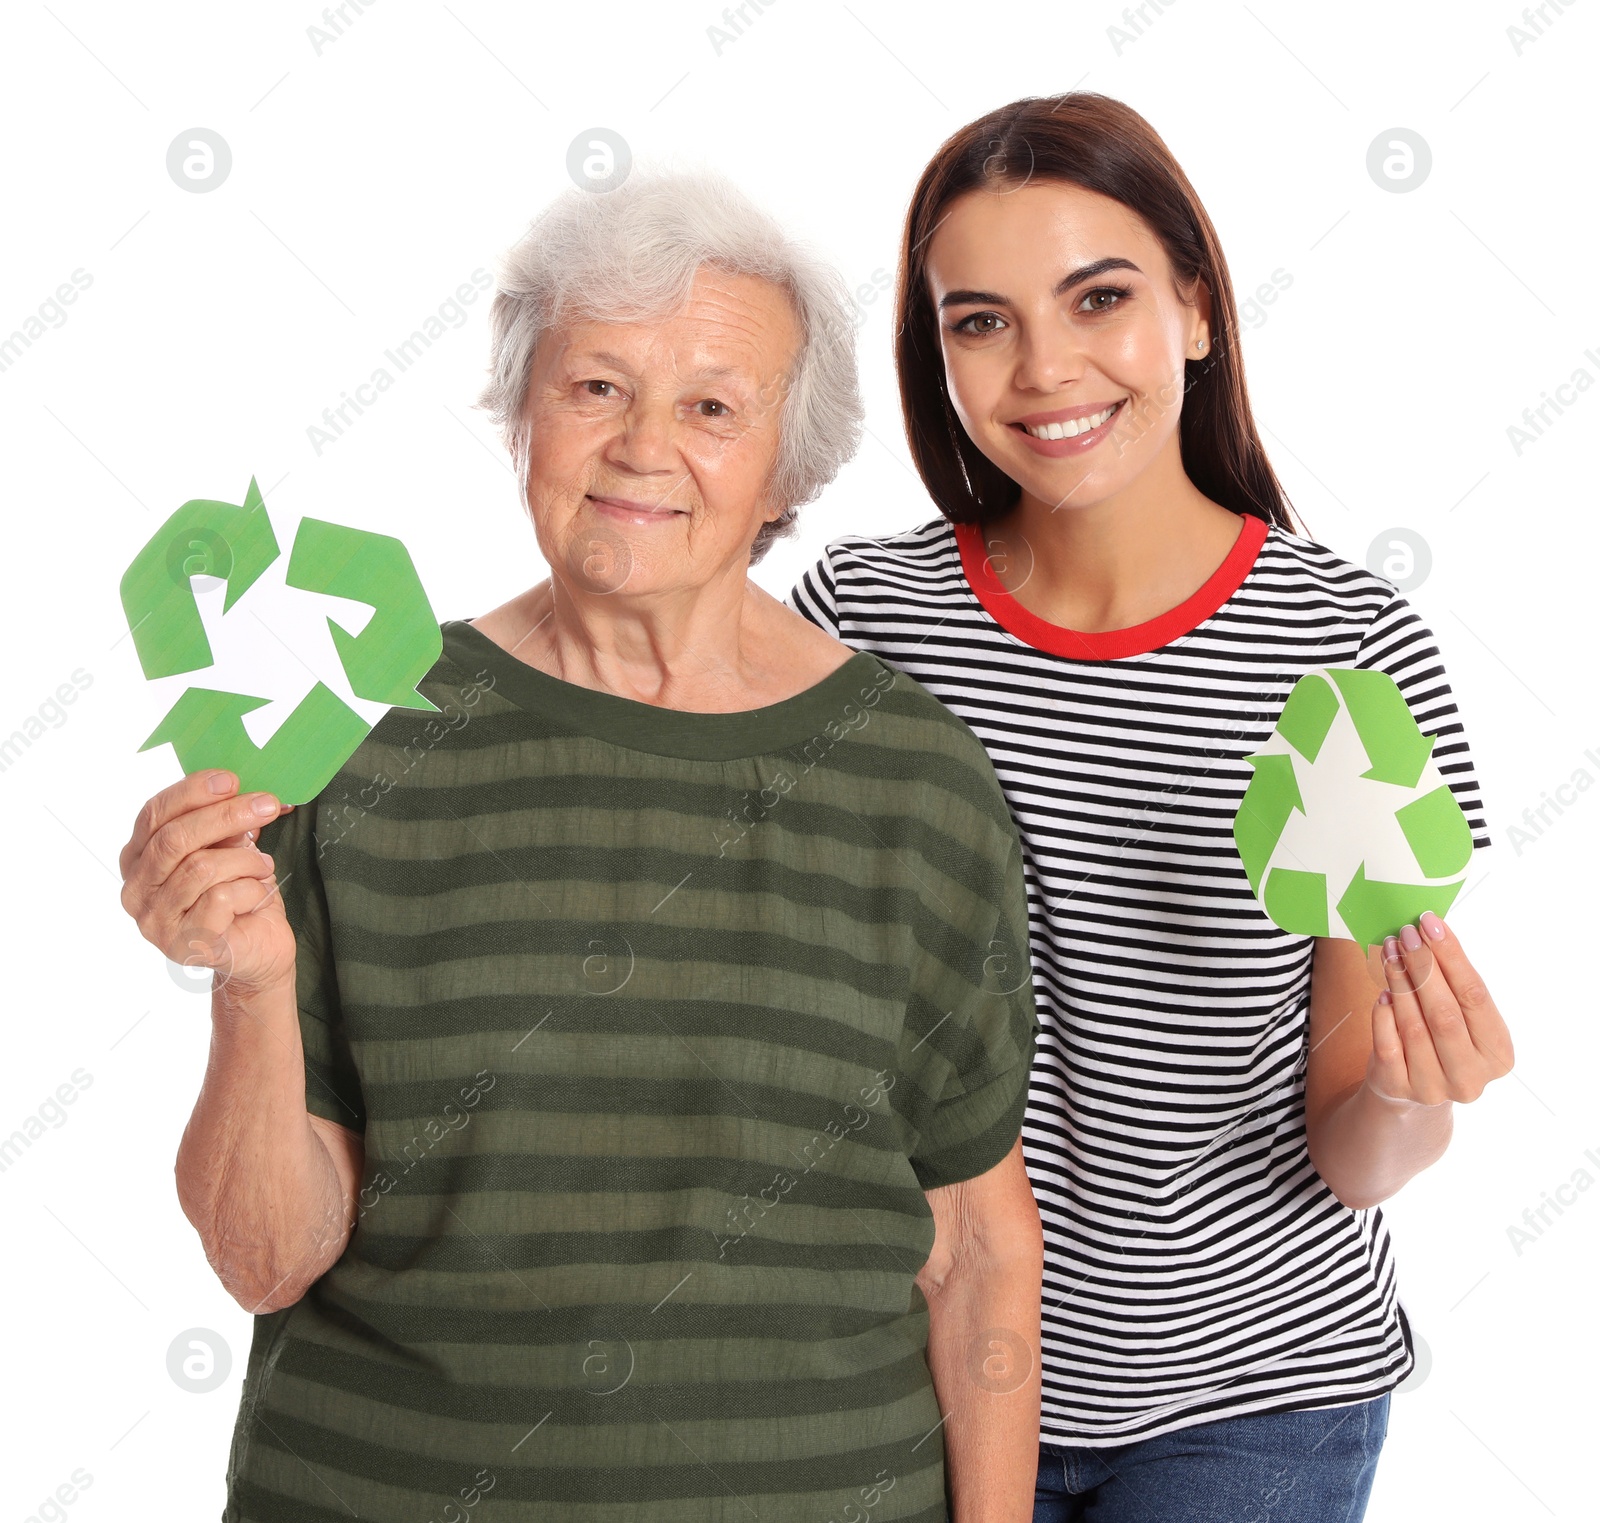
<point>384,663</point>
<point>1347,828</point>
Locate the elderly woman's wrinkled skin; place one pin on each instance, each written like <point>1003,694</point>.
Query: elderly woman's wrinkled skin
<point>652,447</point>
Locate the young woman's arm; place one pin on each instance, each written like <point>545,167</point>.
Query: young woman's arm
<point>1383,1073</point>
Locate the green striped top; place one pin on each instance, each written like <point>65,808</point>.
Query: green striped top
<point>657,1026</point>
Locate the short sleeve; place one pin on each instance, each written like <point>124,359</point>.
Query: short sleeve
<point>333,1086</point>
<point>970,1033</point>
<point>1399,643</point>
<point>813,596</point>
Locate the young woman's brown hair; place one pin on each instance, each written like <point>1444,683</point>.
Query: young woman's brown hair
<point>1103,145</point>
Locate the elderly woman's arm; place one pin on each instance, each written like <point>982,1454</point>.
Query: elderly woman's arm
<point>982,1283</point>
<point>270,1188</point>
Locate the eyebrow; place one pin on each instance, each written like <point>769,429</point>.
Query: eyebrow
<point>1082,273</point>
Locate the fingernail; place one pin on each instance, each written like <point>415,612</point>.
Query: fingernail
<point>265,805</point>
<point>1409,938</point>
<point>1383,999</point>
<point>1391,948</point>
<point>1433,925</point>
<point>220,782</point>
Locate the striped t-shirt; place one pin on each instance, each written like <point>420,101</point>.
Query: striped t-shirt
<point>1196,1265</point>
<point>657,1026</point>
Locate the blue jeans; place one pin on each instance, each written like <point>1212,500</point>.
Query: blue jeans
<point>1272,1467</point>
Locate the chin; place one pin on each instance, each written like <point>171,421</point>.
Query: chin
<point>1062,488</point>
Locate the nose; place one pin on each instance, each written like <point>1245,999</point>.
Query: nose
<point>1047,356</point>
<point>645,443</point>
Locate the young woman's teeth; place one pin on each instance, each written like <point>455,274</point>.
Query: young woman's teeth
<point>1072,427</point>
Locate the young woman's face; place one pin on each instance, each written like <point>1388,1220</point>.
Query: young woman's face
<point>1064,341</point>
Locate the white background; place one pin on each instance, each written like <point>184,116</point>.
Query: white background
<point>370,180</point>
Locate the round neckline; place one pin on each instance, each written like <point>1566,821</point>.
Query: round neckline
<point>640,726</point>
<point>1109,644</point>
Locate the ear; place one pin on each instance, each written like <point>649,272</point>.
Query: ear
<point>1201,300</point>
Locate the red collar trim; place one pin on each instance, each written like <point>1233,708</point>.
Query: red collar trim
<point>1109,644</point>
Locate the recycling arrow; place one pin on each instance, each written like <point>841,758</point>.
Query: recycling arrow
<point>206,728</point>
<point>1397,749</point>
<point>1373,909</point>
<point>203,538</point>
<point>400,641</point>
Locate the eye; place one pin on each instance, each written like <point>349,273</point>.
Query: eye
<point>591,387</point>
<point>722,408</point>
<point>968,323</point>
<point>1116,292</point>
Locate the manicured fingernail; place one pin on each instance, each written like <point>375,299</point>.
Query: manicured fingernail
<point>1384,999</point>
<point>220,782</point>
<point>266,805</point>
<point>1433,925</point>
<point>1409,938</point>
<point>1391,948</point>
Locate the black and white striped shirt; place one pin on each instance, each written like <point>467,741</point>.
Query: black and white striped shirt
<point>1196,1265</point>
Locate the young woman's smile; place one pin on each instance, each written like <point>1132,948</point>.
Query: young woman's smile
<point>1069,430</point>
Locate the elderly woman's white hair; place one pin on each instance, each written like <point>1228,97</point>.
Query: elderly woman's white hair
<point>630,255</point>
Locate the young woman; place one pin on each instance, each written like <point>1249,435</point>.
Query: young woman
<point>1117,603</point>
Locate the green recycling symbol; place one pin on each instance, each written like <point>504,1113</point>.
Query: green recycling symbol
<point>1347,827</point>
<point>384,663</point>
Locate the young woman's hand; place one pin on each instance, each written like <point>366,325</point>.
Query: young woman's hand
<point>1437,1034</point>
<point>201,891</point>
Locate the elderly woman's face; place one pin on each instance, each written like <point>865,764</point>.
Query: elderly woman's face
<point>652,443</point>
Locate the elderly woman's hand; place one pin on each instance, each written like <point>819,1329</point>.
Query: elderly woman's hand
<point>199,889</point>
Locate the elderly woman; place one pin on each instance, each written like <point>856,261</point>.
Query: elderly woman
<point>613,1105</point>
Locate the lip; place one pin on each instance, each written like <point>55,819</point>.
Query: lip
<point>635,512</point>
<point>1066,414</point>
<point>1056,449</point>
